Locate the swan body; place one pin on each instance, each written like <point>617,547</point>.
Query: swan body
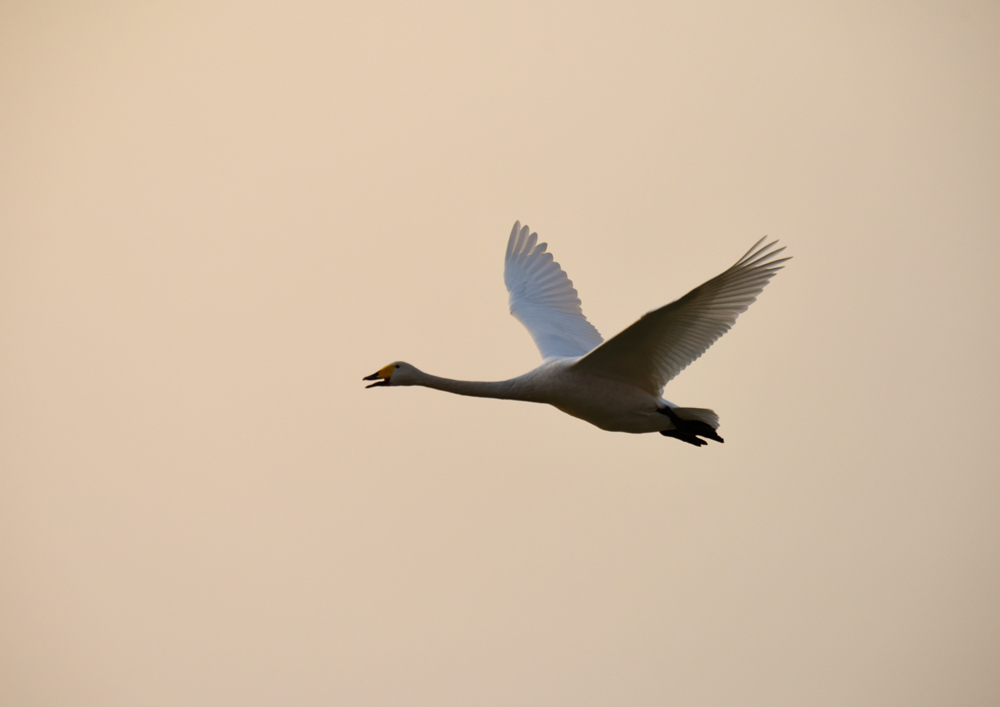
<point>615,384</point>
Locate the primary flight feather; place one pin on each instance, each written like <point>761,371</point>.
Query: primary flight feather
<point>616,384</point>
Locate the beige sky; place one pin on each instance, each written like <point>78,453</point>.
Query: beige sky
<point>214,220</point>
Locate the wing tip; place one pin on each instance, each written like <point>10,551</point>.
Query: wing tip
<point>522,240</point>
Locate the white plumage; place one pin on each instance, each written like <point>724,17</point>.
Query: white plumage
<point>544,300</point>
<point>615,384</point>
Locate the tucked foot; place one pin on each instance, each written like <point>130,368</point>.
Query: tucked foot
<point>684,437</point>
<point>689,431</point>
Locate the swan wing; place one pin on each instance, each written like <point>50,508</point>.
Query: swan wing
<point>663,342</point>
<point>543,298</point>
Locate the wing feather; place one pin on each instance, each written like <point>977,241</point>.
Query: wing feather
<point>649,353</point>
<point>543,298</point>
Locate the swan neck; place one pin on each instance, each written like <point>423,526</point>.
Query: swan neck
<point>505,390</point>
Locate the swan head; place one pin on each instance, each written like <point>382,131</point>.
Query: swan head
<point>396,373</point>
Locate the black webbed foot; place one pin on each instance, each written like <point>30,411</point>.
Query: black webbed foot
<point>689,431</point>
<point>684,437</point>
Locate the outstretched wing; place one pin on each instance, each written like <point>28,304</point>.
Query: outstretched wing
<point>543,299</point>
<point>663,342</point>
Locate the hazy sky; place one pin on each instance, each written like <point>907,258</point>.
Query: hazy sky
<point>216,218</point>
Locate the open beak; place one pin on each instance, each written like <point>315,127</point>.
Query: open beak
<point>381,378</point>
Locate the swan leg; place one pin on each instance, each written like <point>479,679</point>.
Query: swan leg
<point>689,431</point>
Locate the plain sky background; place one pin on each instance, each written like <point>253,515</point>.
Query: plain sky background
<point>215,218</point>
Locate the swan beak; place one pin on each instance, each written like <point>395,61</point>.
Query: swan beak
<point>382,377</point>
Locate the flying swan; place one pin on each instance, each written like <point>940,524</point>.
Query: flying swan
<point>615,384</point>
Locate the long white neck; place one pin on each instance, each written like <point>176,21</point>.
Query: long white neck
<point>513,389</point>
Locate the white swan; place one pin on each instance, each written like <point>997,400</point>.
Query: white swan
<point>614,384</point>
